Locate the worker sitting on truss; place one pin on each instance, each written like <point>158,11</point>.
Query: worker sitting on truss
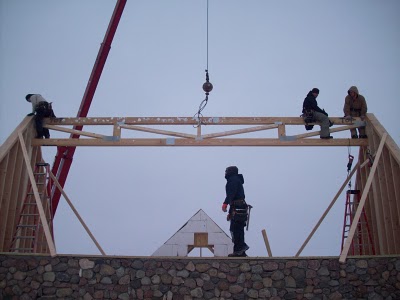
<point>311,108</point>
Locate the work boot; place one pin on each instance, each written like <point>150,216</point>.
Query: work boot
<point>363,136</point>
<point>326,137</point>
<point>354,136</point>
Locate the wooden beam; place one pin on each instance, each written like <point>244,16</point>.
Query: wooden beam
<point>264,233</point>
<point>317,133</point>
<point>158,131</point>
<point>42,214</point>
<point>76,213</point>
<point>73,131</point>
<point>222,142</point>
<point>239,131</point>
<point>356,218</point>
<point>188,121</point>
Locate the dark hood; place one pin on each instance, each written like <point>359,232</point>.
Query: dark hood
<point>235,176</point>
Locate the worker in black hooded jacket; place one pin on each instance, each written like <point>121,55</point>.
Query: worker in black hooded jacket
<point>235,198</point>
<point>319,115</point>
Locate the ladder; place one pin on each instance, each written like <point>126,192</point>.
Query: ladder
<point>29,235</point>
<point>362,243</point>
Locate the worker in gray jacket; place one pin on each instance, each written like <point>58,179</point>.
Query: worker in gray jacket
<point>355,106</point>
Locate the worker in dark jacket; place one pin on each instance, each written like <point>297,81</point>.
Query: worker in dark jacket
<point>235,198</point>
<point>355,106</point>
<point>41,109</point>
<point>310,104</point>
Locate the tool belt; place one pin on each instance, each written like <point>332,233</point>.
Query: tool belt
<point>355,112</point>
<point>239,202</point>
<point>44,109</point>
<point>239,211</point>
<point>308,116</point>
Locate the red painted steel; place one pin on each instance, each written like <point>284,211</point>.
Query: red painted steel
<point>64,156</point>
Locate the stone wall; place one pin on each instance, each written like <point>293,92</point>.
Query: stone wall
<point>109,277</point>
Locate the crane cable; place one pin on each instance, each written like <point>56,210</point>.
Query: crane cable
<point>207,86</point>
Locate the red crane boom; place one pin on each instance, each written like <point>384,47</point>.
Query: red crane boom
<point>64,156</point>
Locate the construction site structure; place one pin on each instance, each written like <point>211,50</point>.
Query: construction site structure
<point>377,170</point>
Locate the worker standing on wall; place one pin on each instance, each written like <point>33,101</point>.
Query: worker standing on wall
<point>237,216</point>
<point>355,106</point>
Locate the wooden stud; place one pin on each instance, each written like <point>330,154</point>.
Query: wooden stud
<point>378,201</point>
<point>264,233</point>
<point>198,131</point>
<point>117,130</point>
<point>281,130</point>
<point>356,218</point>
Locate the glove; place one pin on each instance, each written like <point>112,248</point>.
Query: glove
<point>330,123</point>
<point>362,118</point>
<point>31,114</point>
<point>324,112</point>
<point>224,206</point>
<point>347,118</point>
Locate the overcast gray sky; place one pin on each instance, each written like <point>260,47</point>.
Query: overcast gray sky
<point>264,57</point>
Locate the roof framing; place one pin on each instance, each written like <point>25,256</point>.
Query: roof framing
<point>379,183</point>
<point>180,137</point>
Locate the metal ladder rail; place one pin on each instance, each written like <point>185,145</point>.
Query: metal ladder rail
<point>28,226</point>
<point>362,239</point>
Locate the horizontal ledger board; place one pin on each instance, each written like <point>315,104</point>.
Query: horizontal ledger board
<point>223,142</point>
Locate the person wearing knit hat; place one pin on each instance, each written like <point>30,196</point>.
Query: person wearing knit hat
<point>320,116</point>
<point>237,216</point>
<point>355,106</point>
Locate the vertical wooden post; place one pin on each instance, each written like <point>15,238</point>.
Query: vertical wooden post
<point>42,214</point>
<point>199,131</point>
<point>360,207</point>
<point>281,130</point>
<point>117,130</point>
